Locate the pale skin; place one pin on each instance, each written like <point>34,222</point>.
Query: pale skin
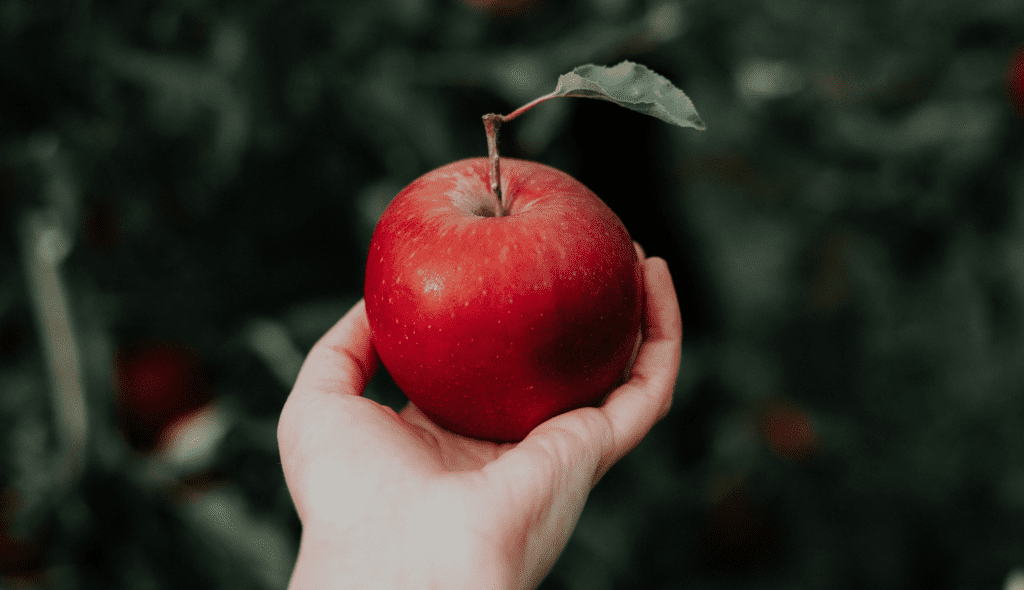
<point>389,500</point>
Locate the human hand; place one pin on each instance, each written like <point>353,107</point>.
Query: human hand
<point>390,500</point>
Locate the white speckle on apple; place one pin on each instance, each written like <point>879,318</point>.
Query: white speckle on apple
<point>466,304</point>
<point>432,285</point>
<point>485,291</point>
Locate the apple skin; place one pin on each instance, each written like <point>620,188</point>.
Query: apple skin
<point>492,325</point>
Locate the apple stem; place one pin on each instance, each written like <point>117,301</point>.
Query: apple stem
<point>492,123</point>
<point>527,107</point>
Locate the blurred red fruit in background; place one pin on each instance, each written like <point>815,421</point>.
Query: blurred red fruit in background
<point>101,227</point>
<point>788,431</point>
<point>503,8</point>
<point>14,334</point>
<point>22,556</point>
<point>1015,81</point>
<point>158,385</point>
<point>739,533</point>
<point>22,559</point>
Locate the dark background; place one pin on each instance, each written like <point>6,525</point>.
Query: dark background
<point>197,182</point>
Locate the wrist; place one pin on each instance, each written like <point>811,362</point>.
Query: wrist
<point>327,561</point>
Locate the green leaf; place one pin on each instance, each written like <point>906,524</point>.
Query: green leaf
<point>633,86</point>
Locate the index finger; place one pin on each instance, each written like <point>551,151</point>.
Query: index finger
<point>344,358</point>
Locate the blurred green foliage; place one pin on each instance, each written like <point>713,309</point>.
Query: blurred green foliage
<point>846,238</point>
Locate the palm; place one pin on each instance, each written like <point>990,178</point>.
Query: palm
<point>363,475</point>
<point>452,451</point>
<point>344,437</point>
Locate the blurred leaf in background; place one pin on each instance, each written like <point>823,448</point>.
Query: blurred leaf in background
<point>846,238</point>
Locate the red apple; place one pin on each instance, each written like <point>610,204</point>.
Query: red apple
<point>504,8</point>
<point>492,324</point>
<point>22,560</point>
<point>158,384</point>
<point>739,533</point>
<point>1015,81</point>
<point>101,227</point>
<point>789,432</point>
<point>23,555</point>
